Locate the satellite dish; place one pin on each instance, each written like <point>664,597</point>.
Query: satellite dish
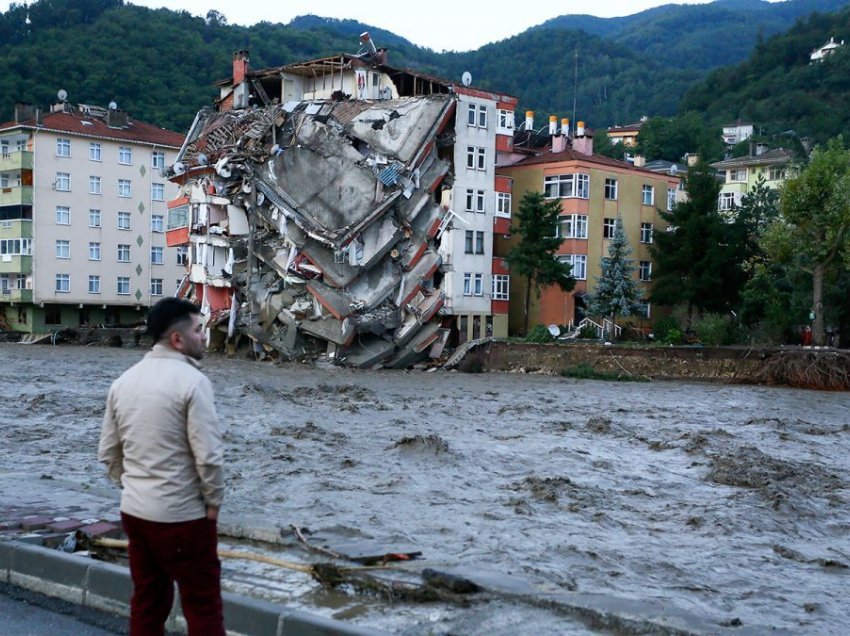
<point>113,105</point>
<point>202,159</point>
<point>555,330</point>
<point>466,78</point>
<point>62,94</point>
<point>674,170</point>
<point>178,168</point>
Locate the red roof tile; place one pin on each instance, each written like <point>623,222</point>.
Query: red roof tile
<point>572,155</point>
<point>76,123</point>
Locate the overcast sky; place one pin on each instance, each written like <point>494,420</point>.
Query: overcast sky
<point>437,24</point>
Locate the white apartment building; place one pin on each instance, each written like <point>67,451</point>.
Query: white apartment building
<point>82,218</point>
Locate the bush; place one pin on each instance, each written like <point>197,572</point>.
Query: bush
<point>584,371</point>
<point>588,332</point>
<point>540,334</point>
<point>663,327</point>
<point>714,330</point>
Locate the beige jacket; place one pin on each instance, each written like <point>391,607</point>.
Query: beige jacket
<point>161,441</point>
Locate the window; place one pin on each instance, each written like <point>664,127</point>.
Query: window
<point>506,119</point>
<point>94,152</point>
<point>578,263</point>
<point>157,223</point>
<point>125,155</point>
<point>63,182</point>
<point>63,283</point>
<point>776,173</point>
<point>156,287</point>
<point>94,218</point>
<point>124,189</point>
<point>475,201</point>
<point>572,226</point>
<point>726,201</point>
<point>645,270</point>
<point>123,220</point>
<point>470,237</point>
<point>123,285</point>
<point>63,249</point>
<point>739,174</point>
<point>476,115</point>
<point>182,252</point>
<point>611,189</point>
<point>94,284</point>
<point>644,308</point>
<point>123,253</point>
<point>567,186</point>
<point>94,251</point>
<point>158,191</point>
<point>157,256</point>
<point>158,160</point>
<point>478,286</point>
<point>467,284</point>
<point>94,185</point>
<point>671,198</point>
<point>63,147</point>
<point>479,242</point>
<point>476,158</point>
<point>648,195</point>
<point>501,287</point>
<point>16,247</point>
<point>4,181</point>
<point>503,203</point>
<point>608,227</point>
<point>63,215</point>
<point>646,232</point>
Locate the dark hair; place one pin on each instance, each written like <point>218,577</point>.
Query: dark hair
<point>167,313</point>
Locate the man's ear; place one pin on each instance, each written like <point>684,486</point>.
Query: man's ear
<point>175,340</point>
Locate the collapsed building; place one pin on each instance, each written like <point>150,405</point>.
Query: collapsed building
<point>322,210</point>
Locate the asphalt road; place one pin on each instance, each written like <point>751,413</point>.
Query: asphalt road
<point>25,613</point>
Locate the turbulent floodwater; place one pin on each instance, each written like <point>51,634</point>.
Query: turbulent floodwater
<point>593,506</point>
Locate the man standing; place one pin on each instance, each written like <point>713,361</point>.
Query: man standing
<point>161,443</point>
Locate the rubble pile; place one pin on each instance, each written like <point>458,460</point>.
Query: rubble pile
<point>315,225</point>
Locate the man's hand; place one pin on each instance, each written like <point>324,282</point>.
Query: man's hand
<point>212,513</point>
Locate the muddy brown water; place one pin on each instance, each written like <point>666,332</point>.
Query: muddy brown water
<point>583,506</point>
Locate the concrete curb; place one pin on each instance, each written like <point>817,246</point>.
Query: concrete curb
<point>108,587</point>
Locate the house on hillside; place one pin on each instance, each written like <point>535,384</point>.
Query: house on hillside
<point>82,217</point>
<point>822,52</point>
<point>737,132</point>
<point>626,135</point>
<point>377,207</point>
<point>742,173</point>
<point>593,190</point>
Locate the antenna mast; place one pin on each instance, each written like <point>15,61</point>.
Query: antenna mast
<point>575,86</point>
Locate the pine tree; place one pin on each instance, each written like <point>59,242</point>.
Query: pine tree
<point>534,255</point>
<point>616,291</point>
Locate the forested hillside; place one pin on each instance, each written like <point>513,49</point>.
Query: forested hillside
<point>160,65</point>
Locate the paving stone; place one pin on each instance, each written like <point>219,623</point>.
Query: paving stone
<point>9,525</point>
<point>101,529</point>
<point>35,522</point>
<point>65,525</point>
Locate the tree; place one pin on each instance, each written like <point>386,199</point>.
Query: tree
<point>671,137</point>
<point>534,255</point>
<point>814,228</point>
<point>616,292</point>
<point>700,257</point>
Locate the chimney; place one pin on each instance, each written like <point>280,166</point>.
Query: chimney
<point>23,112</point>
<point>583,142</point>
<point>761,149</point>
<point>553,125</point>
<point>692,158</point>
<point>529,120</point>
<point>561,139</point>
<point>117,118</point>
<point>240,67</point>
<point>565,127</point>
<point>639,161</point>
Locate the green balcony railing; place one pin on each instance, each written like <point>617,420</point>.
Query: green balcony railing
<point>16,195</point>
<point>16,296</point>
<point>15,264</point>
<point>14,161</point>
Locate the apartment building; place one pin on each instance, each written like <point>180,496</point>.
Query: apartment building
<point>82,217</point>
<point>475,203</point>
<point>594,191</point>
<point>740,174</point>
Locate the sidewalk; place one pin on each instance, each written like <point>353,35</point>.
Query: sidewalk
<point>36,515</point>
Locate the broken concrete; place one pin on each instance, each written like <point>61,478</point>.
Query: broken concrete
<point>323,217</point>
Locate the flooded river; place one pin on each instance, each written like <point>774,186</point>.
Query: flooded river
<point>583,506</point>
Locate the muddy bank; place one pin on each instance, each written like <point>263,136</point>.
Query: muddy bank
<point>804,368</point>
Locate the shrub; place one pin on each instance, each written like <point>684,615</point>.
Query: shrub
<point>673,337</point>
<point>663,327</point>
<point>713,329</point>
<point>588,332</point>
<point>540,334</point>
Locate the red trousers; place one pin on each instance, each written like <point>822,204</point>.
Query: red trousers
<point>164,553</point>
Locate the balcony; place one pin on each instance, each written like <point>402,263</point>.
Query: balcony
<point>16,296</point>
<point>16,229</point>
<point>16,195</point>
<point>15,264</point>
<point>16,161</point>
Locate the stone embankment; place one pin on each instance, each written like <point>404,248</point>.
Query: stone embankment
<point>805,367</point>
